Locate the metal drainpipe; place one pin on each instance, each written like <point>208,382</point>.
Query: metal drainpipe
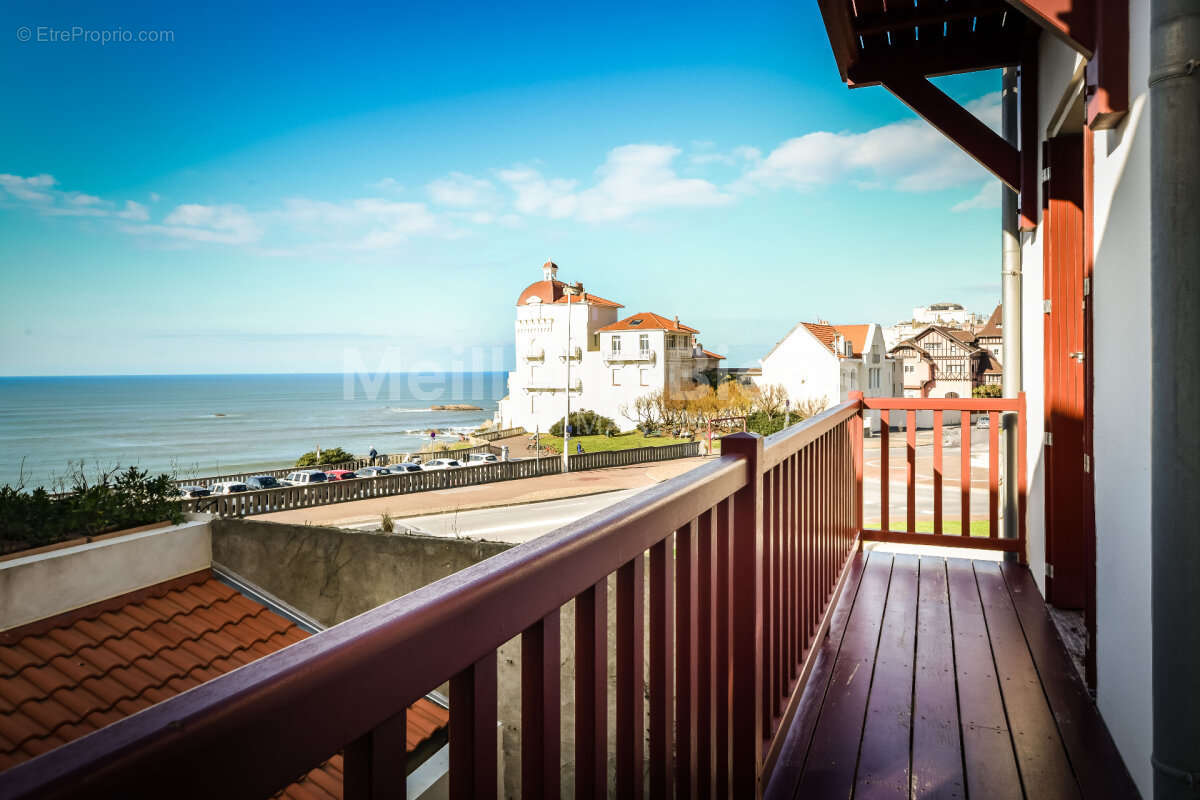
<point>1174,89</point>
<point>1010,324</point>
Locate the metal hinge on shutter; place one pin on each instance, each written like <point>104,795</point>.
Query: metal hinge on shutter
<point>1087,286</point>
<point>1046,306</point>
<point>1087,463</point>
<point>1048,439</point>
<point>1049,570</point>
<point>1045,173</point>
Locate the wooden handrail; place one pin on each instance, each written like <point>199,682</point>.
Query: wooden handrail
<point>760,538</point>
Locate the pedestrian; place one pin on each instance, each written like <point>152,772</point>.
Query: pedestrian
<point>579,448</point>
<point>372,454</point>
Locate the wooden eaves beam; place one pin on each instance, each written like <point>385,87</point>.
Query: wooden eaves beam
<point>959,125</point>
<point>1072,21</point>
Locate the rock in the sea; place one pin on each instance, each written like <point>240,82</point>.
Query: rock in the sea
<point>456,407</point>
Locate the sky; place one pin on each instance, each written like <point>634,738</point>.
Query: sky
<point>244,187</point>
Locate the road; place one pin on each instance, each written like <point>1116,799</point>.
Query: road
<point>518,523</point>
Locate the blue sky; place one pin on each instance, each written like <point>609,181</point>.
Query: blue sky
<point>289,190</point>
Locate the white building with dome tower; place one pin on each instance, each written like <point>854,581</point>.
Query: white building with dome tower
<point>612,360</point>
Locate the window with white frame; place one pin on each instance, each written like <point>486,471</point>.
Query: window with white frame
<point>616,345</point>
<point>644,343</point>
<point>644,377</point>
<point>616,377</point>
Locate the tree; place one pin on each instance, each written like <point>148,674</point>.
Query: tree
<point>587,423</point>
<point>332,455</point>
<point>987,390</point>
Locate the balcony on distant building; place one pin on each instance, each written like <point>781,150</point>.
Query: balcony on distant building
<point>638,357</point>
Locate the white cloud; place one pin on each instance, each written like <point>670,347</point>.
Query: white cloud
<point>367,223</point>
<point>987,197</point>
<point>29,189</point>
<point>633,178</point>
<point>909,156</point>
<point>387,184</point>
<point>640,177</point>
<point>459,190</point>
<point>224,224</point>
<point>538,195</point>
<point>135,212</point>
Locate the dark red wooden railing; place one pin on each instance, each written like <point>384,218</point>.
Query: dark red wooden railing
<point>743,555</point>
<point>961,411</point>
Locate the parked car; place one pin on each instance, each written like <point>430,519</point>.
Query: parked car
<point>263,482</point>
<point>229,487</point>
<point>373,472</point>
<point>482,458</point>
<point>339,474</point>
<point>304,477</point>
<point>193,492</point>
<point>404,466</point>
<point>441,463</point>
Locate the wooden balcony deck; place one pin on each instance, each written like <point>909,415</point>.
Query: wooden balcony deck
<point>945,678</point>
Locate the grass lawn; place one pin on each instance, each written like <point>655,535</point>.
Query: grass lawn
<point>622,441</point>
<point>979,527</point>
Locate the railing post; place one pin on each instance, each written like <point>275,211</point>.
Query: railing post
<point>856,433</point>
<point>747,600</point>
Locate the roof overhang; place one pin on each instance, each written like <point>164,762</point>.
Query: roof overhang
<point>901,45</point>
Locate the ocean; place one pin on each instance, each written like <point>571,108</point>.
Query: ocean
<point>192,425</point>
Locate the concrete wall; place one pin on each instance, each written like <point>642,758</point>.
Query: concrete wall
<point>107,567</point>
<point>333,574</point>
<point>804,367</point>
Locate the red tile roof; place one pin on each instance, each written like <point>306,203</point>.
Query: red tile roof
<point>711,354</point>
<point>856,335</point>
<point>647,321</point>
<point>826,334</point>
<point>72,674</point>
<point>992,329</point>
<point>553,292</point>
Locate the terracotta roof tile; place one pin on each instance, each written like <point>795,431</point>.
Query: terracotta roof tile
<point>856,335</point>
<point>648,321</point>
<point>826,334</point>
<point>61,682</point>
<point>553,292</point>
<point>992,328</point>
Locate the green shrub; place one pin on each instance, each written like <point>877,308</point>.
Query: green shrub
<point>112,502</point>
<point>333,455</point>
<point>587,423</point>
<point>987,390</point>
<point>765,424</point>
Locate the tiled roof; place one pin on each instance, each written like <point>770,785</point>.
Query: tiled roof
<point>991,365</point>
<point>826,334</point>
<point>711,354</point>
<point>647,321</point>
<point>72,674</point>
<point>553,292</point>
<point>965,338</point>
<point>992,328</point>
<point>856,335</point>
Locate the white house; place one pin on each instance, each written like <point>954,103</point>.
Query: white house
<point>611,362</point>
<point>821,363</point>
<point>947,315</point>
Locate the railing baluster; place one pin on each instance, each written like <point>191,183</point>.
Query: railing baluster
<point>856,433</point>
<point>591,692</point>
<point>473,731</point>
<point>662,686</point>
<point>937,472</point>
<point>772,600</point>
<point>910,425</point>
<point>993,475</point>
<point>747,618</point>
<point>630,665</point>
<point>884,471</point>
<point>541,732</point>
<point>964,446</point>
<point>687,677</point>
<point>374,765</point>
<point>723,559</point>
<point>706,574</point>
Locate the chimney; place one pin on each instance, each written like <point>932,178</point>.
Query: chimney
<point>549,271</point>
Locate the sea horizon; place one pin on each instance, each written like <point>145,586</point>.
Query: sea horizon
<point>189,425</point>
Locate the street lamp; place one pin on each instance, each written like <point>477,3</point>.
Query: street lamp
<point>568,290</point>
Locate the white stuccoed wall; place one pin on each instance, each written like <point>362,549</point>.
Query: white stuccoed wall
<point>1121,400</point>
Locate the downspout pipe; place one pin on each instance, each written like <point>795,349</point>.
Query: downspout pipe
<point>1010,312</point>
<point>1174,93</point>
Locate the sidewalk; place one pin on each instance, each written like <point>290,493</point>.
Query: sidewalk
<point>488,495</point>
